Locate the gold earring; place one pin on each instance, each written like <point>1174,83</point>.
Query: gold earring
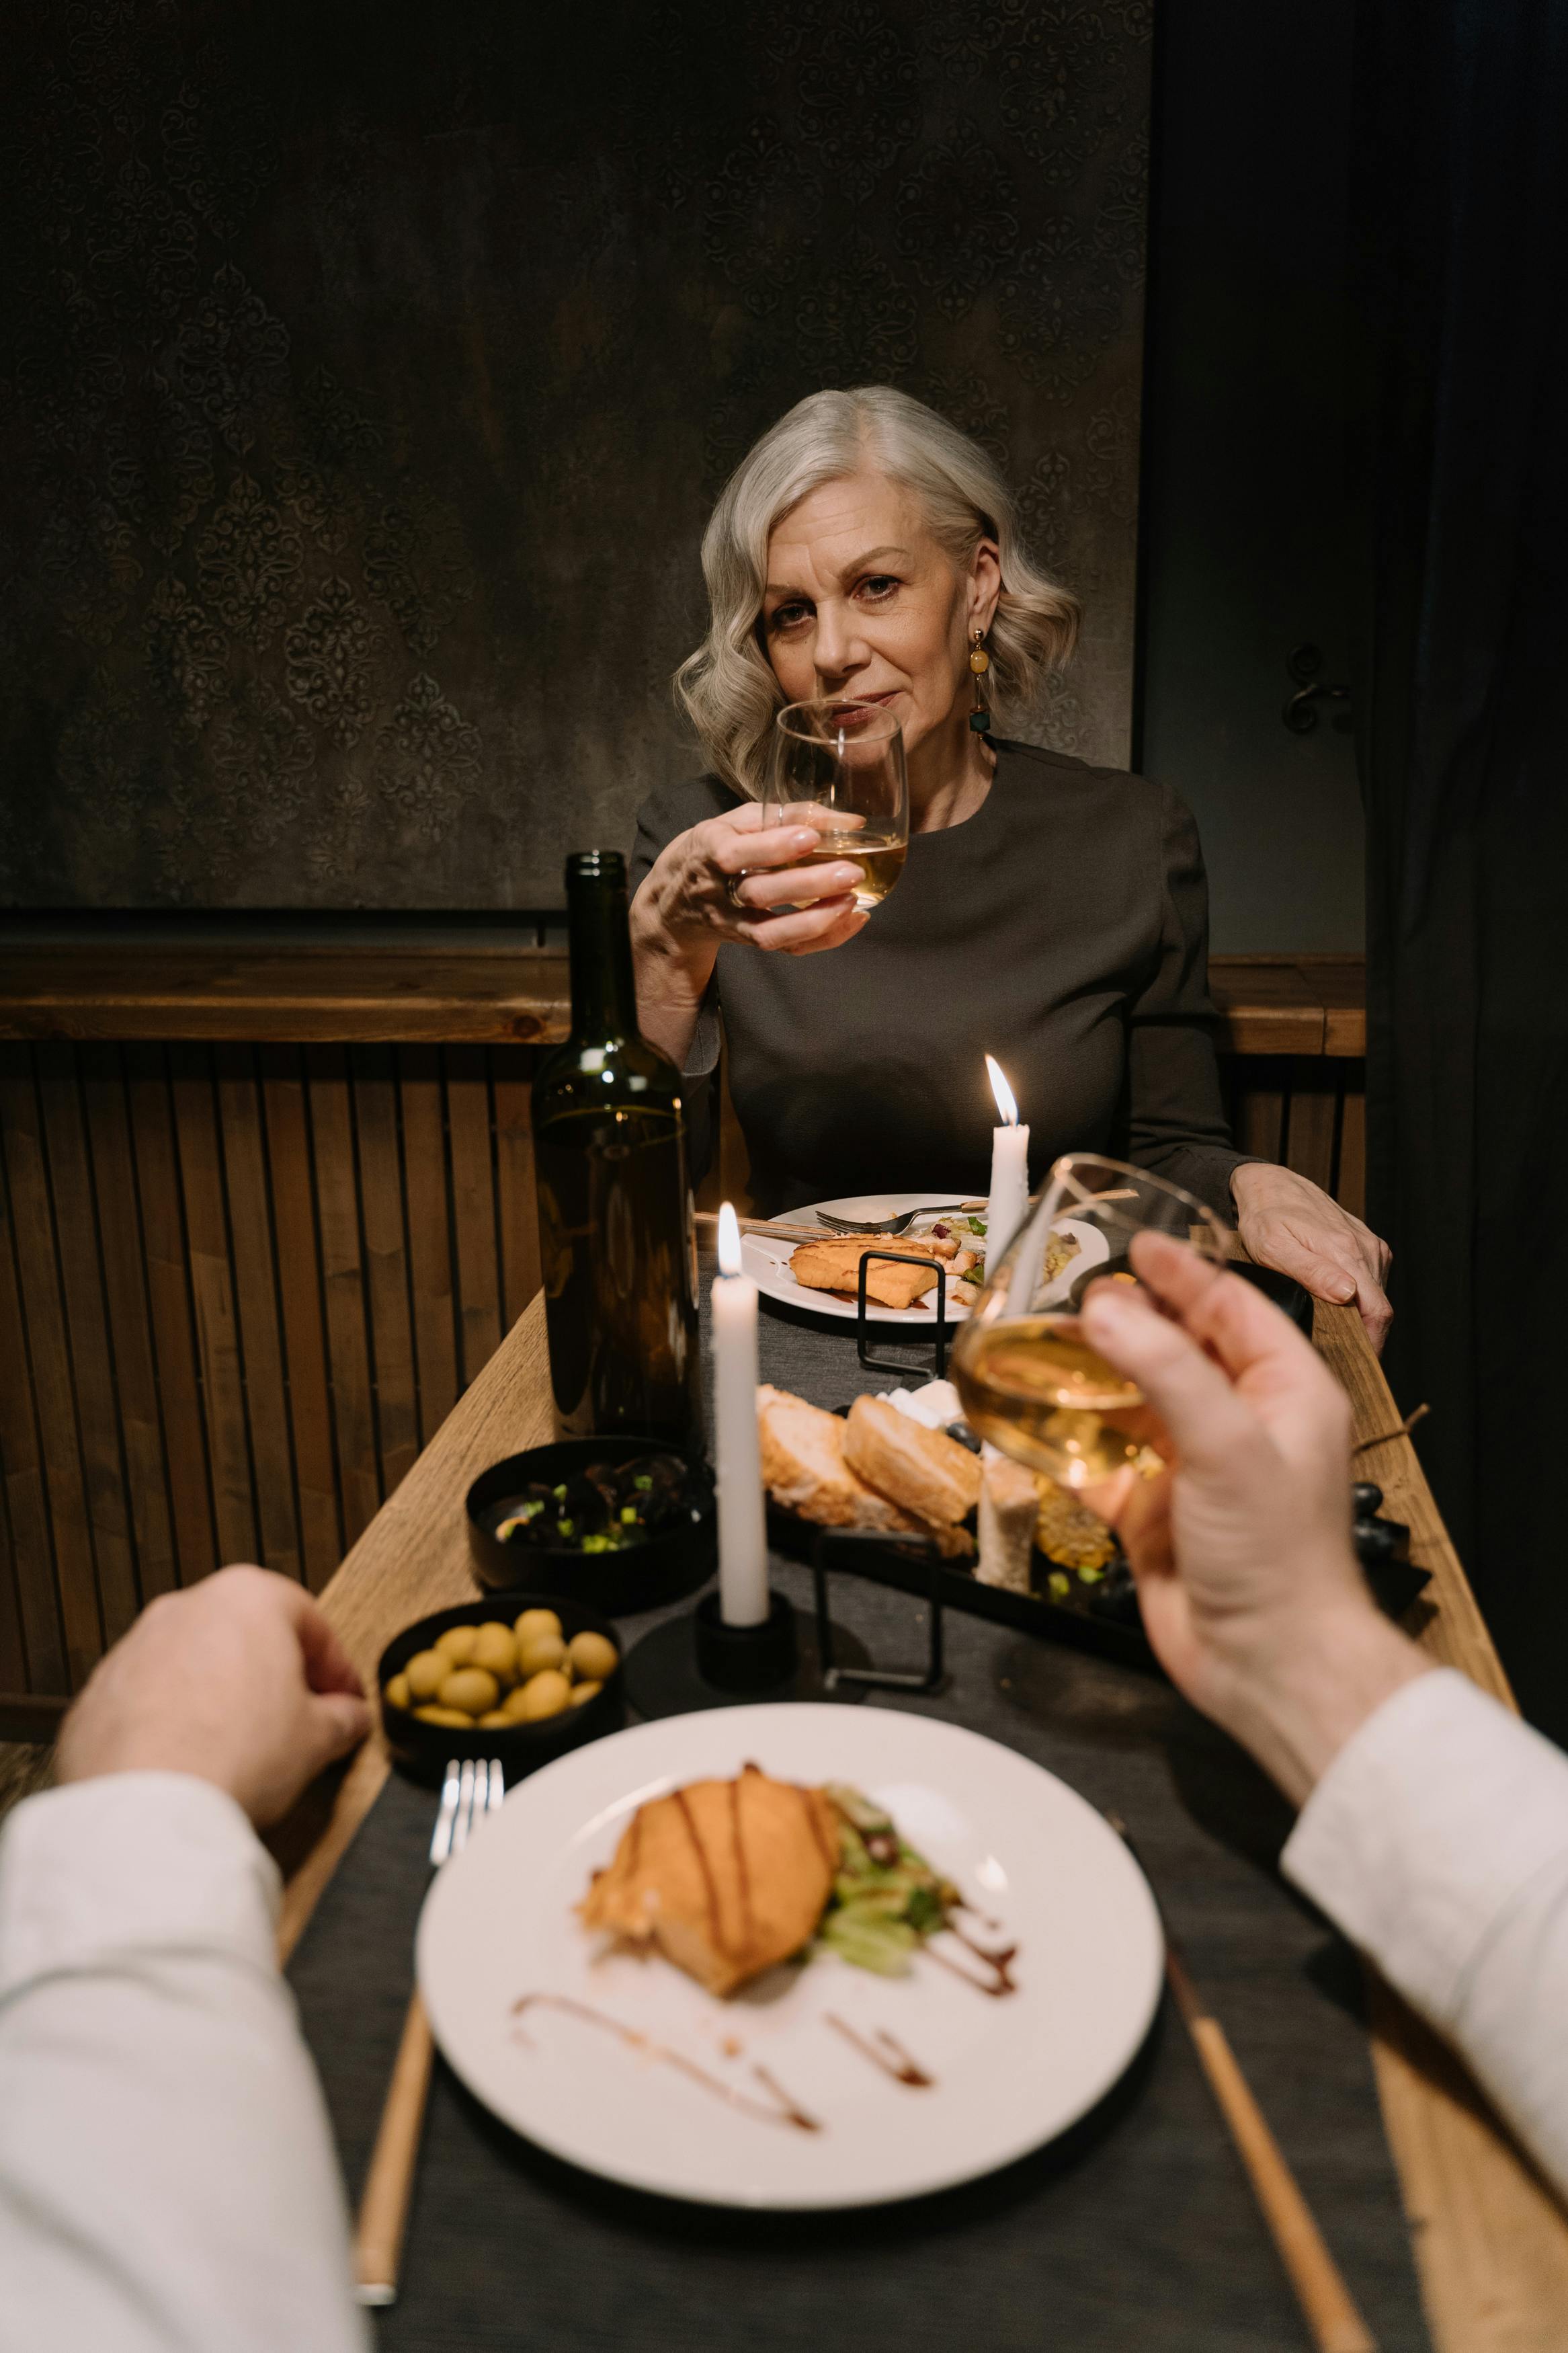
<point>979,664</point>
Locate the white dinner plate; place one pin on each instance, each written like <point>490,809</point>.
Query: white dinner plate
<point>1041,1868</point>
<point>767,1261</point>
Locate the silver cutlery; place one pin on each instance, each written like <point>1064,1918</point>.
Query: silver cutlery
<point>897,1224</point>
<point>469,1790</point>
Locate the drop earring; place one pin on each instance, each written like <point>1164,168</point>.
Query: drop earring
<point>979,664</point>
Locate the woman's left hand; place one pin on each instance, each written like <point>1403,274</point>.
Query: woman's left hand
<point>1287,1222</point>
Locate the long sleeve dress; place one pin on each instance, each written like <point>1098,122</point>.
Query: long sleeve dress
<point>1062,928</point>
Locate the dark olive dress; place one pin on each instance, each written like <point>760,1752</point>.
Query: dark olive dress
<point>1063,928</point>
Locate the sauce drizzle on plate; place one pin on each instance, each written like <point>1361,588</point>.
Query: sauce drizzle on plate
<point>779,2108</point>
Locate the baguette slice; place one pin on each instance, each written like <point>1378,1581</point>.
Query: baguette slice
<point>804,1470</point>
<point>924,1470</point>
<point>1010,1501</point>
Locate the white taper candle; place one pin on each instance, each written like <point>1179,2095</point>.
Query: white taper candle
<point>743,1520</point>
<point>1009,1199</point>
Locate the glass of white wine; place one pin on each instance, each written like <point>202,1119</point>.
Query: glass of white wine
<point>838,766</point>
<point>1029,1380</point>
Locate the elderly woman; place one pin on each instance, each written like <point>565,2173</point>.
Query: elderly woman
<point>1051,914</point>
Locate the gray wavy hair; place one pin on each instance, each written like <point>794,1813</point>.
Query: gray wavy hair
<point>727,687</point>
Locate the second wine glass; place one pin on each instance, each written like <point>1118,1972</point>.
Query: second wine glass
<point>838,766</point>
<point>1028,1379</point>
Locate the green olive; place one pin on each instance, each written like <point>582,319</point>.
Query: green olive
<point>594,1657</point>
<point>536,1622</point>
<point>583,1692</point>
<point>496,1650</point>
<point>545,1694</point>
<point>449,1716</point>
<point>397,1692</point>
<point>536,1652</point>
<point>471,1688</point>
<point>457,1644</point>
<point>427,1672</point>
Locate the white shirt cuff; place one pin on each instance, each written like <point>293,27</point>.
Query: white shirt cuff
<point>1428,1826</point>
<point>126,1860</point>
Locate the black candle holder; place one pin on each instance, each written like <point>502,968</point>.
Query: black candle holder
<point>695,1661</point>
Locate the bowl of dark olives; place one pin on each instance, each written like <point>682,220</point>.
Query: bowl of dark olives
<point>618,1523</point>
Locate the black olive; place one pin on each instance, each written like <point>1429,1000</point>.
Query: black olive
<point>1381,1540</point>
<point>1366,1499</point>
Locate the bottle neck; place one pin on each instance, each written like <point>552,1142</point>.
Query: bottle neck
<point>603,991</point>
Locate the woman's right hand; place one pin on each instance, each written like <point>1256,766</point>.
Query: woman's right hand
<point>720,881</point>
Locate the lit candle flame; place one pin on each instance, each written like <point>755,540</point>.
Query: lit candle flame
<point>728,1240</point>
<point>1006,1101</point>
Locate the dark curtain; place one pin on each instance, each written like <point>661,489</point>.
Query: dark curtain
<point>1460,270</point>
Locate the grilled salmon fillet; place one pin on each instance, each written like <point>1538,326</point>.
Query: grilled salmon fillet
<point>724,1878</point>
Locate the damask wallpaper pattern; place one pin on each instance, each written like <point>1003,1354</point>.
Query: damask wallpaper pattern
<point>369,373</point>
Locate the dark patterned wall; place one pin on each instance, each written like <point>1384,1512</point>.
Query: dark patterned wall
<point>370,371</point>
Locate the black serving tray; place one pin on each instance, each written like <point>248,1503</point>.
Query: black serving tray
<point>1394,1580</point>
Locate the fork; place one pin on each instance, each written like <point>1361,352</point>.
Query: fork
<point>897,1224</point>
<point>468,1790</point>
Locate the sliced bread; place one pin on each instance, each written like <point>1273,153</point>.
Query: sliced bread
<point>924,1470</point>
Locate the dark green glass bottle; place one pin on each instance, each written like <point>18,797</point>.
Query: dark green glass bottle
<point>615,1214</point>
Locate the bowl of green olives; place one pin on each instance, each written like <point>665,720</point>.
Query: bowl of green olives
<point>621,1523</point>
<point>519,1676</point>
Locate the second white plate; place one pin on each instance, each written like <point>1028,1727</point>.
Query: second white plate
<point>767,1261</point>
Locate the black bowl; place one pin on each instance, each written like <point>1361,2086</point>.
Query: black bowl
<point>423,1749</point>
<point>667,1567</point>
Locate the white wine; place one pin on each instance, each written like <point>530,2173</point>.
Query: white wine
<point>879,856</point>
<point>1034,1386</point>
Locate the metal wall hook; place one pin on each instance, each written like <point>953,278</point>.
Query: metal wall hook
<point>1301,714</point>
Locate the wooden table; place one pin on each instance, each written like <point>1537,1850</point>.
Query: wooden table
<point>1491,2242</point>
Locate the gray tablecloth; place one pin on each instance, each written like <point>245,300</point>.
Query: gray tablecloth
<point>1137,2230</point>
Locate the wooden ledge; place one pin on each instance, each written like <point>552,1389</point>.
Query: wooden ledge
<point>489,992</point>
<point>1290,1005</point>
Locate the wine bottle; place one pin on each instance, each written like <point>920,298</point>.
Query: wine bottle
<point>615,1215</point>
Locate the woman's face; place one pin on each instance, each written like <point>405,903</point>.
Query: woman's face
<point>862,601</point>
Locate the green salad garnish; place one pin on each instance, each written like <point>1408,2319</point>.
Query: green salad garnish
<point>885,1898</point>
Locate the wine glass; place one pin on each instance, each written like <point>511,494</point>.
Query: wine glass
<point>1029,1380</point>
<point>838,766</point>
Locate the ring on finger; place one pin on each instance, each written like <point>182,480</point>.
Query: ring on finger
<point>734,889</point>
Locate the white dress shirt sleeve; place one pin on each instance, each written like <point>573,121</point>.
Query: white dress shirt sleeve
<point>167,2179</point>
<point>1439,1840</point>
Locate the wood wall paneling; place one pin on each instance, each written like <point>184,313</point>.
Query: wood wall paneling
<point>469,1130</point>
<point>91,1362</point>
<point>32,1596</point>
<point>298,1248</point>
<point>125,1254</point>
<point>380,1165</point>
<point>49,1361</point>
<point>213,1294</point>
<point>343,1284</point>
<point>511,1075</point>
<point>255,1260</point>
<point>431,1252</point>
<point>172,1301</point>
